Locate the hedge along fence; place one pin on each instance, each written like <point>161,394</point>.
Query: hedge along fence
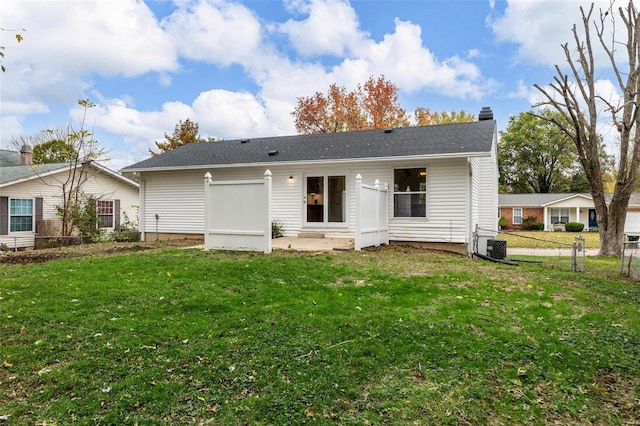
<point>238,214</point>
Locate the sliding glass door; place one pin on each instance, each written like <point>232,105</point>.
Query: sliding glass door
<point>325,200</point>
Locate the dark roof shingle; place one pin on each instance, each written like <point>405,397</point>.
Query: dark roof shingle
<point>446,139</point>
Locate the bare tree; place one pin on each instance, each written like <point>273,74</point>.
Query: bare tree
<point>79,150</point>
<point>574,95</point>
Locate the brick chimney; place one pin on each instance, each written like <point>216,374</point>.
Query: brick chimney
<point>26,155</point>
<point>485,114</point>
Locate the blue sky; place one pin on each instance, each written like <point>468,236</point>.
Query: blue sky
<point>237,67</point>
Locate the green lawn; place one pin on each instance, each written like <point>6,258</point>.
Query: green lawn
<point>391,336</point>
<point>547,240</point>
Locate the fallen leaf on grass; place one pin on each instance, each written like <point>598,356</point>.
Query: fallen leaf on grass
<point>310,411</point>
<point>6,364</point>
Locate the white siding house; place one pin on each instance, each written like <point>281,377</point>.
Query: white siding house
<point>30,194</point>
<point>443,181</point>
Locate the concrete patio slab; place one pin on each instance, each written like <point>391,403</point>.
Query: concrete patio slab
<point>312,244</point>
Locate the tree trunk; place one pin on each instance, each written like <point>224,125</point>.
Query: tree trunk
<point>612,233</point>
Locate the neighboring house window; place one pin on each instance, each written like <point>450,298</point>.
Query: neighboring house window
<point>410,192</point>
<point>104,209</point>
<point>21,215</point>
<point>517,216</point>
<point>559,215</point>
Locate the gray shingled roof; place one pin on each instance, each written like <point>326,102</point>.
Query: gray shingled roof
<point>14,173</point>
<point>446,139</point>
<point>9,158</point>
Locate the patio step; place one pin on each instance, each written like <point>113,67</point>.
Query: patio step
<point>310,234</point>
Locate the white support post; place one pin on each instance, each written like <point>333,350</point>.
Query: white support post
<point>208,208</point>
<point>268,182</point>
<point>376,184</point>
<point>358,237</point>
<point>386,214</point>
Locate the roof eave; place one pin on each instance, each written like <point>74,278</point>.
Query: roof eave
<point>306,162</point>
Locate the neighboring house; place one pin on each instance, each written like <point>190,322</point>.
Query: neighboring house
<point>561,208</point>
<point>443,181</point>
<point>30,194</point>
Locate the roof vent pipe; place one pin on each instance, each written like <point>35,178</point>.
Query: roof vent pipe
<point>389,130</point>
<point>273,153</point>
<point>485,114</point>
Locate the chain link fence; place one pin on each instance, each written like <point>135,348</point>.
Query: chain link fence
<point>630,258</point>
<point>542,249</point>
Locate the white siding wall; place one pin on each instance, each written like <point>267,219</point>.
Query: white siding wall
<point>48,188</point>
<point>474,196</point>
<point>485,170</point>
<point>447,207</point>
<point>178,198</point>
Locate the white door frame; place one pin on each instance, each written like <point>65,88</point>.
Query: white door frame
<point>324,200</point>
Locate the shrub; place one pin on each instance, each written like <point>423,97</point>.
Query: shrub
<point>529,223</point>
<point>574,226</point>
<point>127,232</point>
<point>593,229</point>
<point>538,226</point>
<point>122,235</point>
<point>276,229</point>
<point>503,222</point>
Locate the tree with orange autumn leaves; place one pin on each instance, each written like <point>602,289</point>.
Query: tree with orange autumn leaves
<point>373,105</point>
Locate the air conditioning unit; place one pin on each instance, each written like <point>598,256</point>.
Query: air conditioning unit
<point>497,249</point>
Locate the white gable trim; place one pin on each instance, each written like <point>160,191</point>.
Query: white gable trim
<point>586,197</point>
<point>66,167</point>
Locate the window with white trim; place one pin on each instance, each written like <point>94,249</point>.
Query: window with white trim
<point>21,215</point>
<point>410,192</point>
<point>104,210</point>
<point>517,216</point>
<point>559,215</point>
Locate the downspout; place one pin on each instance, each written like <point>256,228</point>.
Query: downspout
<point>141,208</point>
<point>468,236</point>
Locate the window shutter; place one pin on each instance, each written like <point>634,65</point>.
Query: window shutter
<point>4,215</point>
<point>38,212</point>
<point>116,213</point>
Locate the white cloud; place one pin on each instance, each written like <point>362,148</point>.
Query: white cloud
<point>65,44</point>
<point>540,27</point>
<point>214,31</point>
<point>331,28</point>
<point>11,127</point>
<point>404,60</point>
<point>128,131</point>
<point>101,37</point>
<point>230,115</point>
